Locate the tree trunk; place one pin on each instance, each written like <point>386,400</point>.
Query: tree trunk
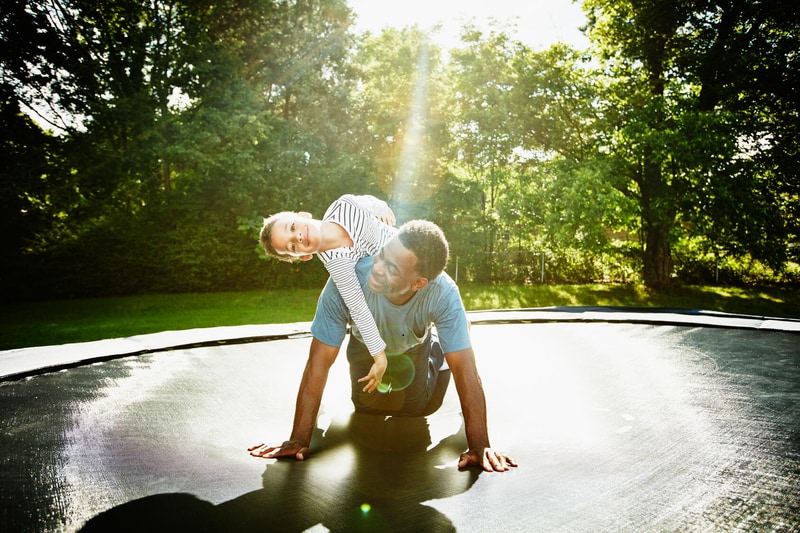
<point>658,217</point>
<point>166,176</point>
<point>657,268</point>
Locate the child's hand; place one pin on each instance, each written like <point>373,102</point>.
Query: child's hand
<point>375,375</point>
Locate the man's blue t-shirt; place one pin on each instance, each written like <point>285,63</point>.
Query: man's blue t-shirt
<point>401,327</point>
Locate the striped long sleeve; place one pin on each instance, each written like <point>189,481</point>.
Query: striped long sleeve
<point>368,235</point>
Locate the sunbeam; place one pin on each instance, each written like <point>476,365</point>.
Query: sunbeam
<point>409,169</point>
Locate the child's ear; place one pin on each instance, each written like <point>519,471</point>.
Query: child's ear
<point>306,257</point>
<point>305,214</point>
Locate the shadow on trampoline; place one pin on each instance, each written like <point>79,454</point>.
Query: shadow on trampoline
<point>620,421</point>
<point>372,474</point>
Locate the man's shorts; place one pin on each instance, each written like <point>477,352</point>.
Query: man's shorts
<point>408,386</point>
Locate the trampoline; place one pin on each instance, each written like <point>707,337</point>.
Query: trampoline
<point>621,420</point>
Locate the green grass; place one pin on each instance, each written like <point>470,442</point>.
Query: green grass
<point>64,321</point>
<point>753,301</point>
<point>59,322</point>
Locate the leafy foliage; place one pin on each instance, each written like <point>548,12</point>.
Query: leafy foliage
<point>143,142</point>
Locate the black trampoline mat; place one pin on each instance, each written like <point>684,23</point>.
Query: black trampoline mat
<point>616,427</point>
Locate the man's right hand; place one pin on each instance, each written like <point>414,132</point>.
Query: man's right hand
<point>289,448</point>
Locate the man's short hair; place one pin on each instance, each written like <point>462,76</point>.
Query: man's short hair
<point>427,241</point>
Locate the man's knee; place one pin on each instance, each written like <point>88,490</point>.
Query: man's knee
<point>436,399</point>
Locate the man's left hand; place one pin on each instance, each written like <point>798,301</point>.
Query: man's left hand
<point>488,459</point>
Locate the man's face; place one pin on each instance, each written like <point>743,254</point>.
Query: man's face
<point>394,274</point>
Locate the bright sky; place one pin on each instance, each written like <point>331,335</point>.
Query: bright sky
<point>539,23</point>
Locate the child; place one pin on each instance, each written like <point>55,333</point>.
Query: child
<point>353,227</point>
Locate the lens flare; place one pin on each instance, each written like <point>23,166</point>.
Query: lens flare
<point>399,374</point>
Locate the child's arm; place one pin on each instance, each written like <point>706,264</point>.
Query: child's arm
<point>342,271</point>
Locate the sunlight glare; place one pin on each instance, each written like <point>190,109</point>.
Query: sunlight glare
<point>408,171</point>
<point>539,23</point>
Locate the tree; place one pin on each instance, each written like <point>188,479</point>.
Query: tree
<point>484,139</point>
<point>173,115</point>
<point>27,157</point>
<point>567,198</point>
<point>291,76</point>
<point>398,107</point>
<point>743,55</point>
<point>681,114</point>
<point>637,43</point>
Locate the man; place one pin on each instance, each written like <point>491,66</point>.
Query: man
<point>408,293</point>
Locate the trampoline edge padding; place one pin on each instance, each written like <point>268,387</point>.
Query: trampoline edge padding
<point>636,315</point>
<point>23,362</point>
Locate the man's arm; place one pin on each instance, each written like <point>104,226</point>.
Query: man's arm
<point>473,406</point>
<point>309,397</point>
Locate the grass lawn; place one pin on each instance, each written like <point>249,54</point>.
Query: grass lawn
<point>59,322</point>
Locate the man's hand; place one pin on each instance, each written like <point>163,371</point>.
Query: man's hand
<point>375,375</point>
<point>486,458</point>
<point>289,448</point>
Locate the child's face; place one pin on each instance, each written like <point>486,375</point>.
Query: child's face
<point>296,235</point>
